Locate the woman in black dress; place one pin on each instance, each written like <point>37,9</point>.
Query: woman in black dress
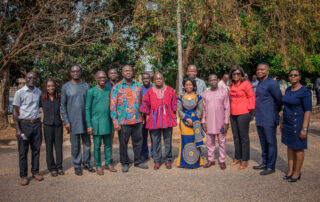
<point>52,125</point>
<point>294,123</point>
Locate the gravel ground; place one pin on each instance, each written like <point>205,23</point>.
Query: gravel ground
<point>177,184</point>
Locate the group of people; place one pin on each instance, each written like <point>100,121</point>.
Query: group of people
<point>135,110</point>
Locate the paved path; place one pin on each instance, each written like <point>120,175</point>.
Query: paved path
<point>177,184</point>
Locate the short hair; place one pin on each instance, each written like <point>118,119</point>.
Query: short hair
<point>296,69</point>
<point>115,69</point>
<point>126,66</point>
<point>191,65</point>
<point>265,64</point>
<point>193,81</point>
<point>212,75</point>
<point>235,68</point>
<point>146,74</point>
<point>75,65</point>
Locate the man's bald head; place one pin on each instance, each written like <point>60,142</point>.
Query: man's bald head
<point>101,73</point>
<point>192,71</point>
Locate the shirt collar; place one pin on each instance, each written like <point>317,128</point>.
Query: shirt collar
<point>25,88</point>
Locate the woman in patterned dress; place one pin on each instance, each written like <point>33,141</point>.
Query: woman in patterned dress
<point>190,107</point>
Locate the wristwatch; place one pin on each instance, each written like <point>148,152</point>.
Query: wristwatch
<point>305,129</point>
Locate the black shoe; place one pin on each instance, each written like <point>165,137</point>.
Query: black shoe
<point>60,172</point>
<point>78,171</point>
<point>267,171</point>
<point>142,165</point>
<point>286,177</point>
<point>130,161</point>
<point>295,179</point>
<point>89,168</point>
<point>260,167</point>
<point>54,173</point>
<point>125,168</point>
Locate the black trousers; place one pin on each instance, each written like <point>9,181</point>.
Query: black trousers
<point>318,96</point>
<point>157,148</point>
<point>53,137</point>
<point>135,132</point>
<point>33,133</point>
<point>240,130</point>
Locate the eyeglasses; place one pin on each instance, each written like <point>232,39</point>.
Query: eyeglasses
<point>236,73</point>
<point>76,71</point>
<point>294,75</point>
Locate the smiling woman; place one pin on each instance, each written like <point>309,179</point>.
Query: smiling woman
<point>295,123</point>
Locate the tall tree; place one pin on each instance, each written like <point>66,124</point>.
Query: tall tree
<point>41,28</point>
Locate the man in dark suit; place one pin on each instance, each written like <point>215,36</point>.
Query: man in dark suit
<point>268,105</point>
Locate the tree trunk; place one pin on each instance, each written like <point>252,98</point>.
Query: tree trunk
<point>4,96</point>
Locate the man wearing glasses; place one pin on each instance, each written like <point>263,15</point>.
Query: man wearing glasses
<point>73,101</point>
<point>268,105</point>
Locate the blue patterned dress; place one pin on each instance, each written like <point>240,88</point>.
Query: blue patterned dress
<point>191,136</point>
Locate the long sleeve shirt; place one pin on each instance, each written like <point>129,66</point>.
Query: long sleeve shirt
<point>268,103</point>
<point>160,108</point>
<point>242,98</point>
<point>73,102</point>
<point>98,110</point>
<point>216,109</point>
<point>125,103</point>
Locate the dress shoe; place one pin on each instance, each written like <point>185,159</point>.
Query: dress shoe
<point>260,167</point>
<point>287,177</point>
<point>125,168</point>
<point>110,168</point>
<point>294,179</point>
<point>37,177</point>
<point>24,181</point>
<point>54,173</point>
<point>144,158</point>
<point>267,171</point>
<point>78,171</point>
<point>235,162</point>
<point>89,168</point>
<point>222,165</point>
<point>60,172</point>
<point>156,166</point>
<point>100,171</point>
<point>142,165</point>
<point>168,165</point>
<point>243,165</point>
<point>209,164</point>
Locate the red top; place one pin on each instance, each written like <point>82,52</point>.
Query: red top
<point>161,108</point>
<point>242,98</point>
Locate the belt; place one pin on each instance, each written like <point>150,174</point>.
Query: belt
<point>30,121</point>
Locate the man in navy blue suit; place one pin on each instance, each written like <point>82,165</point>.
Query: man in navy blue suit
<point>268,106</point>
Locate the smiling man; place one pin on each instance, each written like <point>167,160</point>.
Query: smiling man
<point>27,121</point>
<point>268,105</point>
<point>127,120</point>
<point>215,120</point>
<point>73,101</point>
<point>192,73</point>
<point>99,122</point>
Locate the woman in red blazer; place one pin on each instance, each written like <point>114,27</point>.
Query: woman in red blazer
<point>242,103</point>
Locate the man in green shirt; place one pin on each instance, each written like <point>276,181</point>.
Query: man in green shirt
<point>99,122</point>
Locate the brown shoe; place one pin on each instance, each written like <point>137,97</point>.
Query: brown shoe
<point>38,177</point>
<point>235,162</point>
<point>243,165</point>
<point>156,166</point>
<point>222,165</point>
<point>209,164</point>
<point>100,171</point>
<point>168,165</point>
<point>24,181</point>
<point>110,168</point>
